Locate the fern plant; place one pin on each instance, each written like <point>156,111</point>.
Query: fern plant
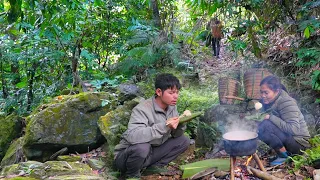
<point>147,49</point>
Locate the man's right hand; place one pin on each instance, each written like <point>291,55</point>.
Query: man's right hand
<point>173,122</point>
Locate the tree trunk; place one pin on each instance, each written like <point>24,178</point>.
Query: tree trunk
<point>15,72</point>
<point>74,61</point>
<point>3,81</point>
<point>156,14</point>
<point>30,90</point>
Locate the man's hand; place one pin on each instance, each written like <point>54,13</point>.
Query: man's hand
<point>173,122</point>
<point>267,117</point>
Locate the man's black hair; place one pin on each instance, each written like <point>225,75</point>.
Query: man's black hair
<point>166,81</point>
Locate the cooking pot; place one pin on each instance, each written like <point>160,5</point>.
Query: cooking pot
<point>240,143</point>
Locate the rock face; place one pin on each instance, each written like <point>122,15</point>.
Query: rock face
<point>128,91</point>
<point>69,121</point>
<point>219,120</point>
<point>115,122</point>
<point>14,153</point>
<point>10,129</point>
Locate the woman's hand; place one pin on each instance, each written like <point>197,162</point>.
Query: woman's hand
<point>267,117</point>
<point>173,122</point>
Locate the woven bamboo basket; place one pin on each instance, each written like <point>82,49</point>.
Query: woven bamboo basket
<point>252,79</point>
<point>228,87</point>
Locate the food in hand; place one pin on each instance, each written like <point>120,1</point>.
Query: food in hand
<point>186,113</point>
<point>257,105</point>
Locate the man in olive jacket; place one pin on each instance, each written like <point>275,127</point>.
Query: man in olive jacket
<point>154,136</point>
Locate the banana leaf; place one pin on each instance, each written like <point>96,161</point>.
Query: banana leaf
<point>255,117</point>
<point>185,119</point>
<point>193,168</point>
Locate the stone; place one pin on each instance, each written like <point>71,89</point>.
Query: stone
<point>47,170</point>
<point>128,92</point>
<point>96,164</point>
<point>221,119</point>
<point>115,122</point>
<point>76,177</point>
<point>11,127</point>
<point>14,154</point>
<point>67,158</point>
<point>68,121</point>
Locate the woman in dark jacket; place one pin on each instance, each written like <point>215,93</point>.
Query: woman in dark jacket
<point>283,128</point>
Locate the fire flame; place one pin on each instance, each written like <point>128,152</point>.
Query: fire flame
<point>248,161</point>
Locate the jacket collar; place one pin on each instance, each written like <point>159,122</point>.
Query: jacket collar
<point>157,108</point>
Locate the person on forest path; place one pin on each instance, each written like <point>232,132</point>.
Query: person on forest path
<point>283,128</point>
<point>216,31</point>
<point>154,136</point>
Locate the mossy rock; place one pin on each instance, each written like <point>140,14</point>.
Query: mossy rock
<point>34,168</point>
<point>96,164</point>
<point>68,121</point>
<point>22,178</point>
<point>10,129</point>
<point>58,168</point>
<point>14,153</point>
<point>115,122</point>
<point>76,177</point>
<point>48,169</point>
<point>69,158</point>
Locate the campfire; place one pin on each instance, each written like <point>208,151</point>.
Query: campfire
<point>243,171</point>
<point>243,143</point>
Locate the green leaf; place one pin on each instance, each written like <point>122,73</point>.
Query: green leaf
<point>185,119</point>
<point>193,168</point>
<point>307,32</point>
<point>22,84</point>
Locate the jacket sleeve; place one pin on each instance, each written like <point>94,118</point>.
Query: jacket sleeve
<point>179,131</point>
<point>289,113</point>
<point>139,130</point>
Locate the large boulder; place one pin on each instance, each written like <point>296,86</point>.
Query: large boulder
<point>221,119</point>
<point>10,129</point>
<point>128,92</point>
<point>68,121</point>
<point>115,122</point>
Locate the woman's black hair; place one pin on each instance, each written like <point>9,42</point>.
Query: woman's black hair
<point>165,81</point>
<point>274,83</point>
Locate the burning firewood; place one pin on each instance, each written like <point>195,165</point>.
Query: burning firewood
<point>261,174</point>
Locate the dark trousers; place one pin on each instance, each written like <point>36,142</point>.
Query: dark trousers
<point>131,160</point>
<point>216,46</point>
<point>276,138</point>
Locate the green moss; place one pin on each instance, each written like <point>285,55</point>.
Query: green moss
<point>7,170</point>
<point>22,178</point>
<point>9,130</point>
<point>76,177</point>
<point>14,152</point>
<point>62,168</point>
<point>69,158</point>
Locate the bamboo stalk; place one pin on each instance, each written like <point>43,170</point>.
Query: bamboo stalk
<point>234,97</point>
<point>232,164</point>
<point>260,165</point>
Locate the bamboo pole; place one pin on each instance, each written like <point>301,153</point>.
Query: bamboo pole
<point>234,97</point>
<point>232,164</point>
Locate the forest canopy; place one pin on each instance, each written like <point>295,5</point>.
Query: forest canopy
<point>49,46</point>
